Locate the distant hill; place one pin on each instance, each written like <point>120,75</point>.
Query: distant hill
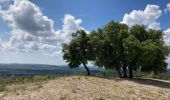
<point>40,69</point>
<point>7,70</point>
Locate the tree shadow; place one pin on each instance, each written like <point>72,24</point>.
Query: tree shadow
<point>152,82</point>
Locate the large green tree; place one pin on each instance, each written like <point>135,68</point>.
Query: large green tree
<point>132,53</point>
<point>109,43</point>
<point>76,51</point>
<point>150,50</point>
<point>118,47</point>
<point>154,52</point>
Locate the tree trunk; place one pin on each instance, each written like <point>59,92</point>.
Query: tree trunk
<point>119,72</point>
<point>124,71</point>
<point>155,72</point>
<point>87,69</point>
<point>130,72</point>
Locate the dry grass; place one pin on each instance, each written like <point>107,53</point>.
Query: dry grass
<point>89,88</point>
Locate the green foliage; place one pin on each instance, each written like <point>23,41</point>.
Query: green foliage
<point>110,51</point>
<point>77,51</point>
<point>132,50</point>
<point>116,46</point>
<point>139,32</point>
<point>23,80</point>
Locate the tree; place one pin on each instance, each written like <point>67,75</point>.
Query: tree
<point>118,47</point>
<point>110,50</point>
<point>76,51</point>
<point>132,53</point>
<point>139,32</point>
<point>152,49</point>
<point>95,45</point>
<point>154,53</point>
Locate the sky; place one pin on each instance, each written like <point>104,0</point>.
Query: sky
<point>32,31</point>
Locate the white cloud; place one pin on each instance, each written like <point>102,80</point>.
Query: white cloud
<point>70,25</point>
<point>28,25</point>
<point>168,8</point>
<point>55,54</point>
<point>148,17</point>
<point>31,30</point>
<point>167,36</point>
<point>27,17</point>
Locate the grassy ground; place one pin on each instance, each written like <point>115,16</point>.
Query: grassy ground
<point>89,88</point>
<point>101,86</point>
<point>109,74</point>
<point>113,74</point>
<point>162,76</point>
<point>23,80</point>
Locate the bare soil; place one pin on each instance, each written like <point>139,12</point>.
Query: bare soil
<point>89,88</point>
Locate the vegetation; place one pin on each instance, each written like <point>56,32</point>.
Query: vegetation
<point>76,52</point>
<point>118,47</point>
<point>161,76</point>
<point>90,88</point>
<point>23,80</point>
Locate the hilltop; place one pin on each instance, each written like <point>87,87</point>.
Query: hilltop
<point>89,88</point>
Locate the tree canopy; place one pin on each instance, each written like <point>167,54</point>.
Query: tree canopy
<point>76,51</point>
<point>119,47</point>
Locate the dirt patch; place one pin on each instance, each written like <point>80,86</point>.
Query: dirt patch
<point>87,88</point>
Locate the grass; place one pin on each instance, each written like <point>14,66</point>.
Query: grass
<point>161,76</point>
<point>85,88</point>
<point>23,80</point>
<point>109,74</point>
<point>113,74</point>
<point>65,97</point>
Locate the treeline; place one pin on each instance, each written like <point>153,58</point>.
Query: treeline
<point>119,47</point>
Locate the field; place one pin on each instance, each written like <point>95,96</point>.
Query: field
<point>89,88</point>
<point>48,82</point>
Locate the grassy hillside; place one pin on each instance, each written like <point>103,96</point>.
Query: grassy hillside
<point>48,82</point>
<point>89,88</point>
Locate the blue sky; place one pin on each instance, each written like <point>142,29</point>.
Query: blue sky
<point>32,31</point>
<point>96,13</point>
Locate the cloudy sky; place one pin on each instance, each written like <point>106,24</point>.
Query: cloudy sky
<point>32,31</point>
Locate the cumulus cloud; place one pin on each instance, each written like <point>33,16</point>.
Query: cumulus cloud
<point>168,8</point>
<point>148,17</point>
<point>70,25</point>
<point>55,54</point>
<point>31,30</point>
<point>167,36</point>
<point>27,17</point>
<point>28,25</point>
